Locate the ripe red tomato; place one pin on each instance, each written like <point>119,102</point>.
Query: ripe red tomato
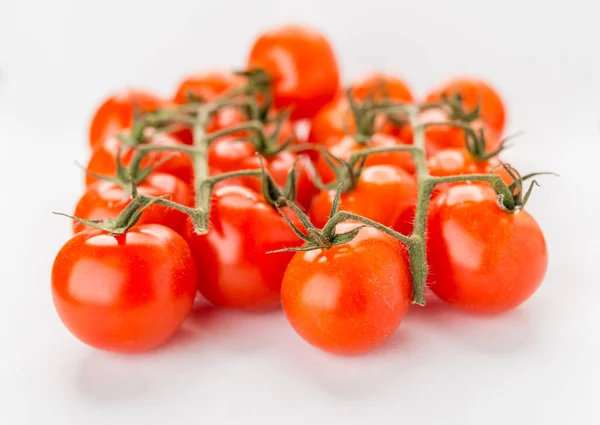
<point>474,91</point>
<point>335,119</point>
<point>302,65</point>
<point>127,293</point>
<point>482,258</point>
<point>229,154</point>
<point>350,298</point>
<point>104,158</point>
<point>348,145</point>
<point>207,85</point>
<point>116,112</point>
<point>382,193</point>
<point>234,268</point>
<point>106,200</point>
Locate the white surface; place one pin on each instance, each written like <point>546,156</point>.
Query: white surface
<point>537,365</point>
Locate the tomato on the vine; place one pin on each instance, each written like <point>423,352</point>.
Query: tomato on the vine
<point>103,160</point>
<point>127,293</point>
<point>207,85</point>
<point>116,113</point>
<point>381,86</point>
<point>230,154</point>
<point>474,91</point>
<point>349,298</point>
<point>302,65</point>
<point>105,199</point>
<point>481,257</point>
<point>382,193</point>
<point>349,145</point>
<point>234,267</point>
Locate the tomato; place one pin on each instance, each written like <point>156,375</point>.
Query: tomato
<point>348,145</point>
<point>382,193</point>
<point>440,137</point>
<point>234,269</point>
<point>474,91</point>
<point>380,86</point>
<point>349,298</point>
<point>104,158</point>
<point>207,85</point>
<point>482,258</point>
<point>105,199</point>
<point>127,293</point>
<point>116,112</point>
<point>229,154</point>
<point>332,123</point>
<point>302,65</point>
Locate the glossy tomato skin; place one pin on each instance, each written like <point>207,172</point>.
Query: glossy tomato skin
<point>207,85</point>
<point>482,258</point>
<point>228,154</point>
<point>116,113</point>
<point>103,160</point>
<point>382,193</point>
<point>105,199</point>
<point>348,145</point>
<point>474,91</point>
<point>301,63</point>
<point>126,293</point>
<point>234,269</point>
<point>350,298</point>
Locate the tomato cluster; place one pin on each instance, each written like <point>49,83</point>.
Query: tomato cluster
<point>211,192</point>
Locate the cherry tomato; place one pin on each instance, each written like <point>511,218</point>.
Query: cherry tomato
<point>348,145</point>
<point>332,123</point>
<point>302,65</point>
<point>127,293</point>
<point>207,85</point>
<point>482,258</point>
<point>234,268</point>
<point>105,199</point>
<point>229,154</point>
<point>116,113</point>
<point>382,193</point>
<point>474,91</point>
<point>380,86</point>
<point>104,158</point>
<point>349,298</point>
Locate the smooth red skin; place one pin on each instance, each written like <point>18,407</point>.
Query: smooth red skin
<point>446,137</point>
<point>332,123</point>
<point>348,145</point>
<point>382,193</point>
<point>381,86</point>
<point>103,160</point>
<point>116,113</point>
<point>482,258</point>
<point>228,154</point>
<point>302,64</point>
<point>350,298</point>
<point>234,269</point>
<point>105,199</point>
<point>207,85</point>
<point>127,293</point>
<point>472,90</point>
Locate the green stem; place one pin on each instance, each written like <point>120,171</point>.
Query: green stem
<point>254,126</point>
<point>344,215</point>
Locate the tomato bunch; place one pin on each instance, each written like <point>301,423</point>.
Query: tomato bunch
<point>209,193</point>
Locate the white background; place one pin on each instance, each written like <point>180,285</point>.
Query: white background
<point>536,365</point>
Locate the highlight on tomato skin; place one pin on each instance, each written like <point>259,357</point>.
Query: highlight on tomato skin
<point>302,64</point>
<point>482,258</point>
<point>348,299</point>
<point>128,293</point>
<point>116,113</point>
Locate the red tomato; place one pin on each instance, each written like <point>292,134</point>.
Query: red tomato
<point>104,158</point>
<point>350,298</point>
<point>116,113</point>
<point>382,193</point>
<point>234,268</point>
<point>348,145</point>
<point>106,200</point>
<point>127,293</point>
<point>302,65</point>
<point>332,123</point>
<point>474,91</point>
<point>229,154</point>
<point>482,258</point>
<point>381,86</point>
<point>207,85</point>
